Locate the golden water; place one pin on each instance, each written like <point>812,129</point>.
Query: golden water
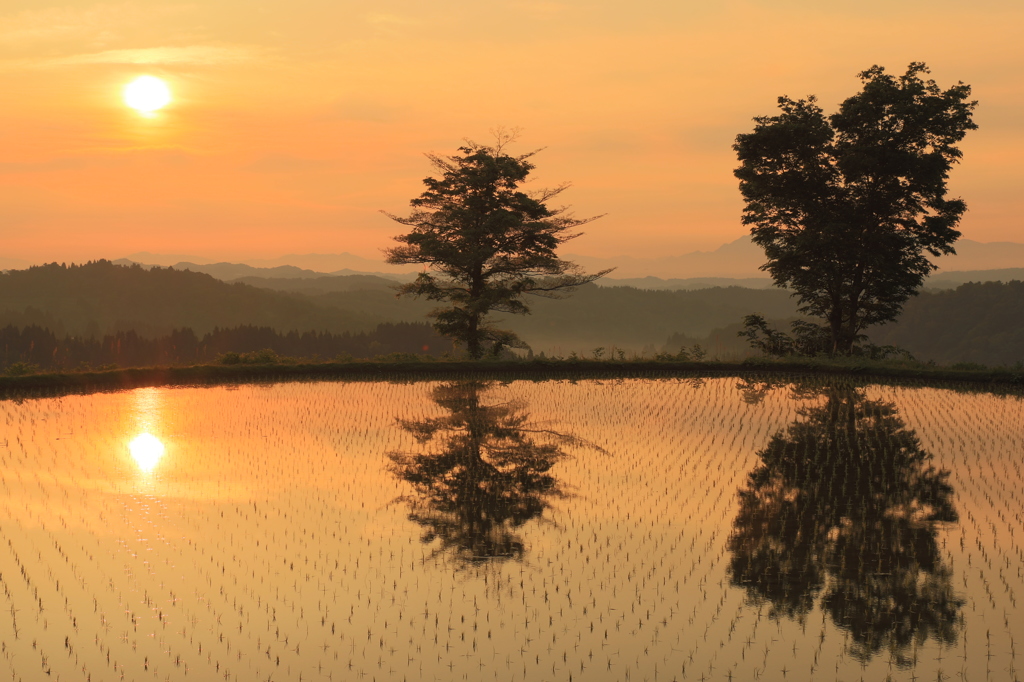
<point>590,530</point>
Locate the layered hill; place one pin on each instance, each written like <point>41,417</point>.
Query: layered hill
<point>981,323</point>
<point>976,322</point>
<point>592,316</point>
<point>100,297</point>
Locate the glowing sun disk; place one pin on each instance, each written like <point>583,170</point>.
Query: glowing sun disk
<point>146,94</point>
<point>146,450</point>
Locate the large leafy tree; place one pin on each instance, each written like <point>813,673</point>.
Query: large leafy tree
<point>849,207</point>
<point>486,244</point>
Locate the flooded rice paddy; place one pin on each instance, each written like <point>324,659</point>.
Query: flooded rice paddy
<point>596,530</point>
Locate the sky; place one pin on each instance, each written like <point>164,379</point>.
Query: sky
<point>294,123</point>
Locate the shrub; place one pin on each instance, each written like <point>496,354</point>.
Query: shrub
<point>20,369</point>
<point>267,356</point>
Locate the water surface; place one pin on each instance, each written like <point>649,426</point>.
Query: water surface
<point>591,530</point>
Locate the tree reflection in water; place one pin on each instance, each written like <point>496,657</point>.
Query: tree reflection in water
<point>485,472</point>
<point>844,507</point>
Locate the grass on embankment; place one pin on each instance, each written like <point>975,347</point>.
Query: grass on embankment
<point>406,367</point>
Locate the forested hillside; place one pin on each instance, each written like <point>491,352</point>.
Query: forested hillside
<point>975,322</point>
<point>591,316</point>
<point>102,298</point>
<point>633,318</point>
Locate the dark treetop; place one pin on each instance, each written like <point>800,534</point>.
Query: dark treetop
<point>848,207</point>
<point>486,243</point>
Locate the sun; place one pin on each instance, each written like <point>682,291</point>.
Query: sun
<point>147,94</point>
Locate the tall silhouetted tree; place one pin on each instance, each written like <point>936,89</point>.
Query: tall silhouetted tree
<point>486,243</point>
<point>848,207</point>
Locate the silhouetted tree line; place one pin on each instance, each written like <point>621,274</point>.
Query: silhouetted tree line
<point>39,346</point>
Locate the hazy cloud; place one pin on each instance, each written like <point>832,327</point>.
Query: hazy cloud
<point>96,25</point>
<point>280,163</point>
<point>388,19</point>
<point>191,54</point>
<point>364,110</point>
<point>115,159</point>
<point>538,6</point>
<point>42,166</point>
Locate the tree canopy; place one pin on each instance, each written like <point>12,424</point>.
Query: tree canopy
<point>486,243</point>
<point>849,207</point>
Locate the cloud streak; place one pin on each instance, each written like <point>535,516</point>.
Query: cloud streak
<point>96,25</point>
<point>183,55</point>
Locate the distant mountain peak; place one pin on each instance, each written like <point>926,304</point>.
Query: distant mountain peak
<point>163,259</point>
<point>740,258</point>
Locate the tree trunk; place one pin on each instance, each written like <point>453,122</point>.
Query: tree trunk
<point>473,337</point>
<point>476,290</point>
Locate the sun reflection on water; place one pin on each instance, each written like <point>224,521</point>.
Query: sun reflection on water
<point>290,491</point>
<point>146,449</point>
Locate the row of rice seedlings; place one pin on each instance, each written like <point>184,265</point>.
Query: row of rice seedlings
<point>840,516</point>
<point>982,447</point>
<point>146,524</point>
<point>271,544</point>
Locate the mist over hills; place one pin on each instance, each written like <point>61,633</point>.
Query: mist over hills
<point>741,259</point>
<point>975,322</point>
<point>648,305</point>
<point>734,264</point>
<point>954,278</point>
<point>102,298</point>
<point>737,259</point>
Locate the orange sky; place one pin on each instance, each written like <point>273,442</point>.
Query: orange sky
<point>294,122</point>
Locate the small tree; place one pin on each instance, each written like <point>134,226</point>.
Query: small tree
<point>848,207</point>
<point>486,243</point>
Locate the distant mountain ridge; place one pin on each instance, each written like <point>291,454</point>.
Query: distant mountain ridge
<point>686,284</point>
<point>347,280</point>
<point>940,280</point>
<point>975,322</point>
<point>738,259</point>
<point>953,279</point>
<point>313,262</point>
<point>741,259</point>
<point>13,263</point>
<point>736,263</point>
<point>230,272</point>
